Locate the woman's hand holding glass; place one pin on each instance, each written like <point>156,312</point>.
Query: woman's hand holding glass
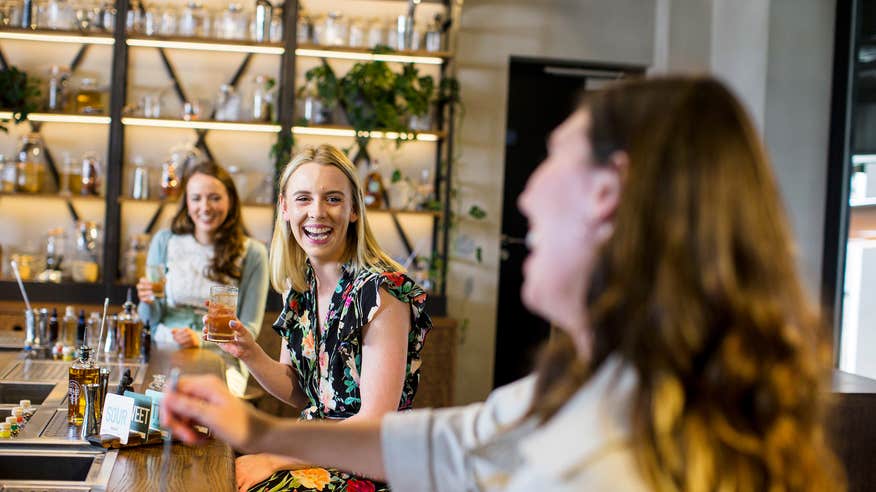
<point>144,291</point>
<point>243,346</point>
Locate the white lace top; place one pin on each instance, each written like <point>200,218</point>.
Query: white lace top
<point>187,263</point>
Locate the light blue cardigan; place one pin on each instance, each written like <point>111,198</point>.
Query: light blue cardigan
<point>253,288</point>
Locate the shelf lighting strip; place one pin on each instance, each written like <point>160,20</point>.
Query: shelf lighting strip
<point>61,118</point>
<point>202,125</point>
<point>187,45</point>
<point>57,38</point>
<point>352,55</point>
<point>863,158</point>
<point>348,132</point>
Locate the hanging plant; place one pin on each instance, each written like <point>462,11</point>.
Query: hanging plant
<point>18,94</point>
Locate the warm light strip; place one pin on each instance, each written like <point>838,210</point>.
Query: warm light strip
<point>202,125</point>
<point>185,45</point>
<point>57,38</point>
<point>348,132</point>
<point>863,158</point>
<point>353,55</point>
<point>862,202</point>
<point>61,118</point>
<point>69,118</point>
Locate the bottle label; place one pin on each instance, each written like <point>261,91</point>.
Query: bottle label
<point>73,392</point>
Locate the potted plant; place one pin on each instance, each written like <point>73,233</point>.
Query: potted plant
<point>18,94</point>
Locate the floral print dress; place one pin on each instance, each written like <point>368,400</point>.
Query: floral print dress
<point>328,364</point>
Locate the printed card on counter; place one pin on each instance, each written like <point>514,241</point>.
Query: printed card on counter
<point>118,411</point>
<point>142,411</point>
<point>155,420</point>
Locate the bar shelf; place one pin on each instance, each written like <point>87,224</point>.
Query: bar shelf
<point>201,124</point>
<point>206,44</point>
<point>347,131</point>
<point>62,118</point>
<point>56,36</point>
<point>309,50</point>
<point>51,196</point>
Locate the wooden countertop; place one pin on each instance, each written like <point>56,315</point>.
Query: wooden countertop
<point>192,469</point>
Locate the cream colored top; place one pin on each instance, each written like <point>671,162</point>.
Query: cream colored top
<point>485,446</point>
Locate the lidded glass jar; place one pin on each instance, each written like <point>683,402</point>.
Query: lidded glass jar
<point>90,174</point>
<point>31,163</point>
<point>192,20</point>
<point>232,23</point>
<point>8,175</point>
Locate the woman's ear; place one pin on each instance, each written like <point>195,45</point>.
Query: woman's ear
<point>282,205</point>
<point>610,184</point>
<point>354,215</point>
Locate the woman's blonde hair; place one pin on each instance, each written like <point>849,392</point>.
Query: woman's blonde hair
<point>698,292</point>
<point>288,260</point>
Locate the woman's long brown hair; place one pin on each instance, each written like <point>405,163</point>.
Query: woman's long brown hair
<point>229,239</point>
<point>697,291</point>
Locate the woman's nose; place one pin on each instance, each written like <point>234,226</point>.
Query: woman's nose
<point>316,209</point>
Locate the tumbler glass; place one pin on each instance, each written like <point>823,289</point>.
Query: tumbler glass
<point>156,275</point>
<point>223,307</point>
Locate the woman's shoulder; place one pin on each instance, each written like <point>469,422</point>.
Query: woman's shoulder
<point>255,249</point>
<point>369,281</point>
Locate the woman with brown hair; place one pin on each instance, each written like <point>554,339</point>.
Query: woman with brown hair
<point>205,246</point>
<point>689,358</point>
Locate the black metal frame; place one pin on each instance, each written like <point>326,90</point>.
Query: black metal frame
<point>91,293</point>
<point>836,214</point>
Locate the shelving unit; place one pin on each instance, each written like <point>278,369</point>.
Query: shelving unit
<point>118,121</point>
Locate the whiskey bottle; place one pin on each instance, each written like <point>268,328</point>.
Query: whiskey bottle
<point>83,372</point>
<point>129,329</point>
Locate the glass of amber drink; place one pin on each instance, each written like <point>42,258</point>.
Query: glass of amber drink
<point>223,308</point>
<point>156,275</point>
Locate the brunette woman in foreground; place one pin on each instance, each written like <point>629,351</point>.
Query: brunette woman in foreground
<point>690,360</point>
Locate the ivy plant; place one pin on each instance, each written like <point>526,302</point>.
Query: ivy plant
<point>18,93</point>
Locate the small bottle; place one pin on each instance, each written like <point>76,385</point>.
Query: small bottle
<point>18,413</point>
<point>170,185</point>
<point>67,353</point>
<point>92,332</point>
<point>374,190</point>
<point>81,326</point>
<point>53,326</point>
<point>90,171</point>
<point>27,408</point>
<point>5,431</point>
<point>83,372</point>
<point>57,92</point>
<point>13,425</point>
<point>145,343</point>
<point>68,327</point>
<point>129,329</point>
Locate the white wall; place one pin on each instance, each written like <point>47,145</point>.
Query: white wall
<point>491,32</point>
<point>775,54</point>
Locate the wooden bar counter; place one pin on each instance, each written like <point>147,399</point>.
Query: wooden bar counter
<point>205,468</point>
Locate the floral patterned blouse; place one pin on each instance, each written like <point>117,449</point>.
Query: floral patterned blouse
<point>328,364</point>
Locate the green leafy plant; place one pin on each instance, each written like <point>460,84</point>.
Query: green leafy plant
<point>18,93</point>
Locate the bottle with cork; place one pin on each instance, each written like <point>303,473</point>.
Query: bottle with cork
<point>83,372</point>
<point>68,327</point>
<point>130,329</point>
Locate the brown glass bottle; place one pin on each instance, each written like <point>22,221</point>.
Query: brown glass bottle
<point>83,371</point>
<point>130,328</point>
<point>374,191</point>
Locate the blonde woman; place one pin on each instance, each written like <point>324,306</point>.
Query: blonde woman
<point>689,359</point>
<point>352,323</point>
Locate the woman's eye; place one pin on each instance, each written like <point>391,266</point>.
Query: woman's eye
<point>302,199</point>
<point>334,199</point>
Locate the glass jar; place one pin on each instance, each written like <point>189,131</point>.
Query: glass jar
<point>305,30</point>
<point>134,259</point>
<point>335,30</point>
<point>227,104</point>
<point>192,20</point>
<point>232,23</point>
<point>376,33</point>
<point>8,175</point>
<point>169,22</point>
<point>59,15</point>
<point>432,38</point>
<point>86,262</point>
<point>31,164</point>
<point>240,180</point>
<point>277,25</point>
<point>89,99</point>
<point>358,34</point>
<point>134,20</point>
<point>71,176</point>
<point>56,242</point>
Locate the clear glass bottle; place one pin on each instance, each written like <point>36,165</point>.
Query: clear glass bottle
<point>140,182</point>
<point>84,371</point>
<point>129,330</point>
<point>71,176</point>
<point>56,99</point>
<point>227,104</point>
<point>68,327</point>
<point>261,104</point>
<point>232,23</point>
<point>277,25</point>
<point>261,29</point>
<point>31,163</point>
<point>8,175</point>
